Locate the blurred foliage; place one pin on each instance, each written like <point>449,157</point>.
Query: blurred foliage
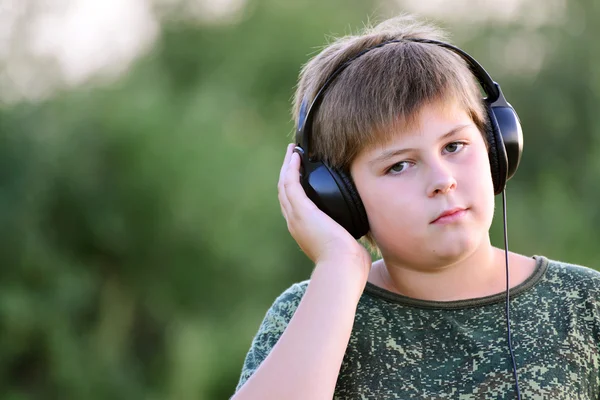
<point>142,240</point>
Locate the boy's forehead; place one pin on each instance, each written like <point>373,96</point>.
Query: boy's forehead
<point>411,128</point>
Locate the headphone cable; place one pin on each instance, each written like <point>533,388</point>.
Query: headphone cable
<point>509,335</point>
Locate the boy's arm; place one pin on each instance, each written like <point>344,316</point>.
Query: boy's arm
<point>305,362</point>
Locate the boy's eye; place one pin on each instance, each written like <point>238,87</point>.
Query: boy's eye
<point>453,147</point>
<point>399,166</point>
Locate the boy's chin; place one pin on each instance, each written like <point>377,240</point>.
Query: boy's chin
<point>435,253</point>
<point>455,249</point>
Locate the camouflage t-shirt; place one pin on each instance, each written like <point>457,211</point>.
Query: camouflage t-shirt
<point>402,348</point>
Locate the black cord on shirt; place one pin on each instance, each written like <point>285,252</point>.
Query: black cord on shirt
<point>509,336</point>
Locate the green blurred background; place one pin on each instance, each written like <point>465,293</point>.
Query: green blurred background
<point>140,146</point>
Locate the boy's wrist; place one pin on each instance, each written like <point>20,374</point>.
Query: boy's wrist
<point>346,274</point>
<point>353,253</point>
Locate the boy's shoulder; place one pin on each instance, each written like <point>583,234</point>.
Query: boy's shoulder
<point>293,292</point>
<point>573,275</point>
<point>287,302</point>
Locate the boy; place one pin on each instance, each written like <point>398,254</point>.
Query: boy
<point>400,115</point>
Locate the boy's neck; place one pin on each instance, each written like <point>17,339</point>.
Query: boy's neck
<point>482,273</point>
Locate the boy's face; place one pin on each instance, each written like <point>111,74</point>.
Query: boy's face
<point>439,166</point>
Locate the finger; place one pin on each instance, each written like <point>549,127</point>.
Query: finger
<point>286,160</point>
<point>293,189</point>
<point>284,203</point>
<point>281,195</point>
<point>284,167</point>
<point>288,180</point>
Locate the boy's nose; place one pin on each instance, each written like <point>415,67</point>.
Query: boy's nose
<point>442,181</point>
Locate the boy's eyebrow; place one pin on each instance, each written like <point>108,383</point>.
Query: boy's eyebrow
<point>395,152</point>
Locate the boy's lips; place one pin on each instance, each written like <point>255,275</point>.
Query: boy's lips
<point>450,214</point>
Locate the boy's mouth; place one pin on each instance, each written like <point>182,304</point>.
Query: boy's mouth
<point>450,215</point>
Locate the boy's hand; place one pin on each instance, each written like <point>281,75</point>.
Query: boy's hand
<point>317,234</point>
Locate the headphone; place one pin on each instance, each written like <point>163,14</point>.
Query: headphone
<point>332,189</point>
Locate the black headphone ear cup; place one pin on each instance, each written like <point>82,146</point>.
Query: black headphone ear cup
<point>359,215</point>
<point>496,152</point>
<point>510,131</point>
<point>333,192</point>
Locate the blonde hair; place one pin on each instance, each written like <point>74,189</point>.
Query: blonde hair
<point>386,87</point>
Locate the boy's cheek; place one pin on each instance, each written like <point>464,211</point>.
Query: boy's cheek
<point>396,221</point>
